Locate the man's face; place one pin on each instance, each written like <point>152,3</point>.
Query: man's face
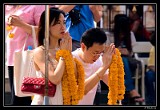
<point>93,53</point>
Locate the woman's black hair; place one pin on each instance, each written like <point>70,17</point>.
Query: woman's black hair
<point>54,15</point>
<point>122,26</point>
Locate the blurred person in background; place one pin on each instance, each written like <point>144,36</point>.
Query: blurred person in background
<point>18,20</point>
<point>124,40</point>
<point>136,23</point>
<point>150,75</point>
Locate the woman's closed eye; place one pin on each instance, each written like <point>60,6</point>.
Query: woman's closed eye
<point>59,22</point>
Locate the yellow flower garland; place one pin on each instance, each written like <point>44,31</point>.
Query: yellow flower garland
<point>9,28</point>
<point>116,79</point>
<point>72,89</point>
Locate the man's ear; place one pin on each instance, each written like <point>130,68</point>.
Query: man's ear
<point>83,46</point>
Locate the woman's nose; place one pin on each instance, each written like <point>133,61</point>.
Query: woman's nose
<point>63,26</point>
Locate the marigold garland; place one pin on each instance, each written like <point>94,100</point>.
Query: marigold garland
<point>9,28</point>
<point>72,89</point>
<point>116,79</point>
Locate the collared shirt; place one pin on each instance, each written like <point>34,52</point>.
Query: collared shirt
<point>29,14</point>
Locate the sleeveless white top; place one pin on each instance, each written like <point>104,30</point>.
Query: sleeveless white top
<point>56,100</point>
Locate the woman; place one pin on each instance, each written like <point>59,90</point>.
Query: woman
<point>19,19</point>
<point>124,40</point>
<point>136,23</point>
<point>59,42</point>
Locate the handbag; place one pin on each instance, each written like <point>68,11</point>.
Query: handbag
<point>22,63</point>
<point>37,85</point>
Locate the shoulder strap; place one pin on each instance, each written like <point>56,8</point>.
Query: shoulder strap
<point>79,7</point>
<point>24,43</point>
<point>34,37</point>
<point>42,47</point>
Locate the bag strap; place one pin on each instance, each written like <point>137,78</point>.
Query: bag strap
<point>35,45</point>
<point>34,39</point>
<point>79,7</point>
<point>25,43</point>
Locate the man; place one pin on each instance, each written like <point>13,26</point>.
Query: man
<point>96,58</point>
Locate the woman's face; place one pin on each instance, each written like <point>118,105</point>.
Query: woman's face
<point>57,30</point>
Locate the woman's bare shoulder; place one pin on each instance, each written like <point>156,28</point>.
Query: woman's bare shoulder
<point>39,51</point>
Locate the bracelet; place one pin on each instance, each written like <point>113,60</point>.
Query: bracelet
<point>61,58</point>
<point>98,76</point>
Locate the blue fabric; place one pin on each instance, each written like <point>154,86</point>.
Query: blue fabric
<point>87,22</point>
<point>128,78</point>
<point>150,89</point>
<point>75,45</point>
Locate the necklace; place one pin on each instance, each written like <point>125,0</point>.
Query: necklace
<point>53,51</point>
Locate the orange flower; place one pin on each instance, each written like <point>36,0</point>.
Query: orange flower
<point>9,28</point>
<point>11,35</point>
<point>116,79</point>
<point>72,88</point>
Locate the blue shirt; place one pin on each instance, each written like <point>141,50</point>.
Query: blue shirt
<point>87,22</point>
